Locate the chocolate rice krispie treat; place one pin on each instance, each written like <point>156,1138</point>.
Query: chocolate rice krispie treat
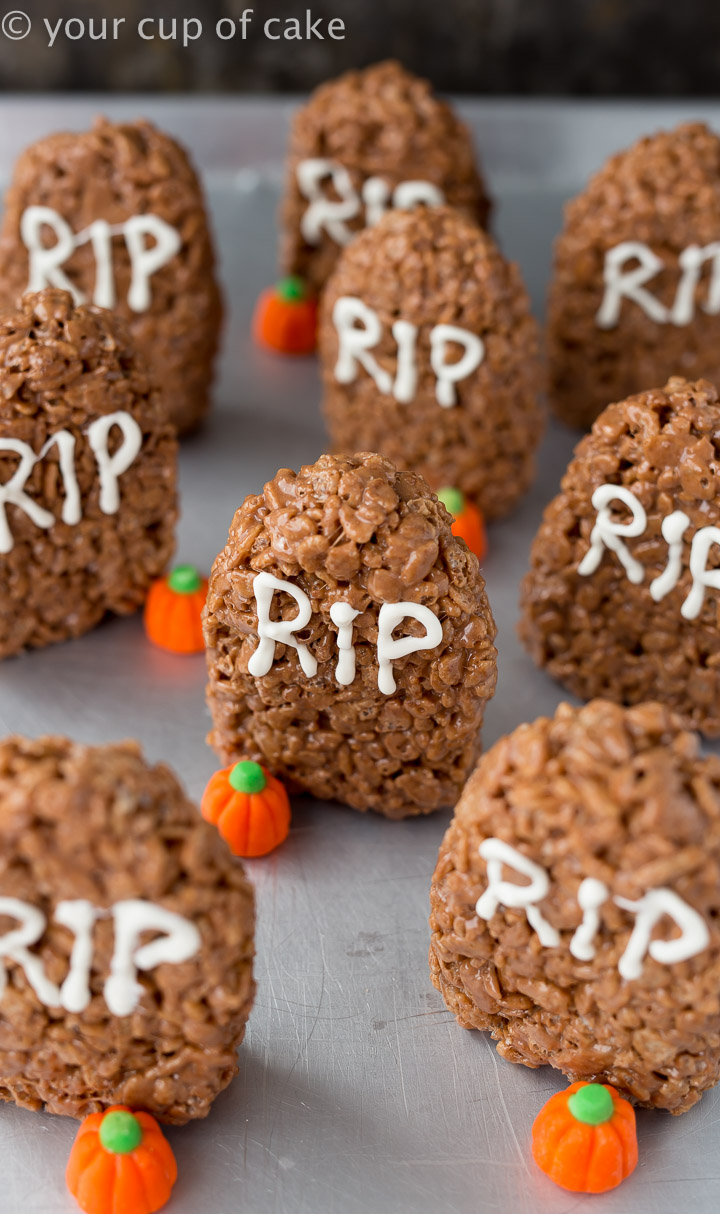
<point>429,354</point>
<point>88,466</point>
<point>621,598</point>
<point>349,638</point>
<point>368,141</point>
<point>635,295</point>
<point>131,979</point>
<point>117,216</point>
<point>575,902</point>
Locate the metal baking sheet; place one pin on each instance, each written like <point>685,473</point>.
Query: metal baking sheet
<point>357,1093</point>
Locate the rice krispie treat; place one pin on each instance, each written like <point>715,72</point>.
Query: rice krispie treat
<point>621,597</point>
<point>368,141</point>
<point>635,295</point>
<point>576,898</point>
<point>88,466</point>
<point>126,936</point>
<point>116,216</point>
<point>429,354</point>
<point>349,638</point>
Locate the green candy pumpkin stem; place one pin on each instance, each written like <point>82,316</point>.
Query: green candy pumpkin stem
<point>247,776</point>
<point>453,500</point>
<point>592,1104</point>
<point>184,579</point>
<point>292,289</point>
<point>120,1132</point>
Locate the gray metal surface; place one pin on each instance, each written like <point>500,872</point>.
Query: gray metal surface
<point>357,1091</point>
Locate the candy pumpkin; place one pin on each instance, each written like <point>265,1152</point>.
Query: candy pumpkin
<point>468,523</point>
<point>249,807</point>
<point>173,611</point>
<point>120,1163</point>
<point>585,1138</point>
<point>286,318</point>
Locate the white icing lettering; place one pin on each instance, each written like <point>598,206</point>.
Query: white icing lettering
<point>388,649</point>
<point>609,534</point>
<point>376,196</point>
<point>342,614</point>
<point>180,941</point>
<point>272,632</point>
<point>111,467</point>
<point>448,374</point>
<point>410,194</point>
<point>702,577</point>
<point>145,260</point>
<point>621,284</point>
<point>591,895</point>
<point>45,262</point>
<point>359,330</point>
<point>649,910</point>
<point>13,493</point>
<point>79,917</point>
<point>325,213</point>
<point>14,947</point>
<point>497,854</point>
<point>331,214</point>
<point>354,342</point>
<point>673,529</point>
<point>693,939</point>
<point>630,284</point>
<point>406,375</point>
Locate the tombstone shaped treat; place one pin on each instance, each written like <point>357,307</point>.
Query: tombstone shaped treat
<point>116,215</point>
<point>575,902</point>
<point>87,472</point>
<point>429,354</point>
<point>368,141</point>
<point>621,597</point>
<point>635,295</point>
<point>349,638</point>
<point>126,936</point>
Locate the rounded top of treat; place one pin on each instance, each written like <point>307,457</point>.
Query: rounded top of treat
<point>663,190</point>
<point>381,112</point>
<point>357,520</point>
<point>430,265</point>
<point>545,774</point>
<point>70,361</point>
<point>384,121</point>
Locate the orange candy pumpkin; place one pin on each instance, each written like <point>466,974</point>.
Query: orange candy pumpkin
<point>173,611</point>
<point>249,807</point>
<point>468,522</point>
<point>585,1138</point>
<point>120,1162</point>
<point>285,318</point>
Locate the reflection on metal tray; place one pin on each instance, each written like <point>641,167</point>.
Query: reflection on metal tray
<point>357,1093</point>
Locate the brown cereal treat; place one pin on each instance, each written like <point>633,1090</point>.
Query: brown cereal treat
<point>99,826</point>
<point>140,181</point>
<point>599,632</point>
<point>615,806</point>
<point>347,717</point>
<point>87,507</point>
<point>658,313</point>
<point>370,140</point>
<point>432,268</point>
